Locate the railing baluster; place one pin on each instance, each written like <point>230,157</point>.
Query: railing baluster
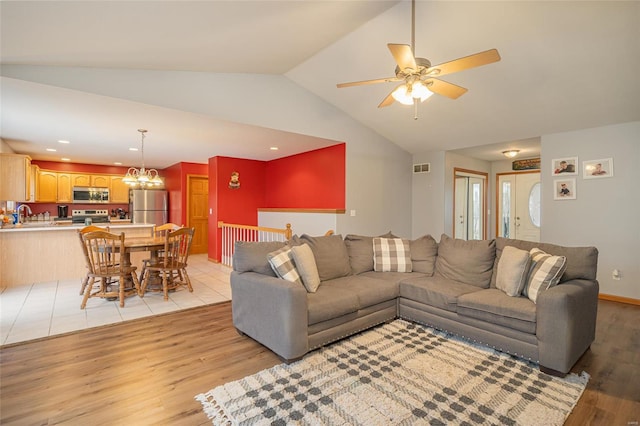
<point>234,232</point>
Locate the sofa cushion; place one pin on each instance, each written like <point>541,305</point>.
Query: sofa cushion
<point>250,256</point>
<point>360,249</point>
<point>494,306</point>
<point>512,271</point>
<point>282,263</point>
<point>423,254</point>
<point>330,253</point>
<point>545,272</point>
<point>391,255</point>
<point>582,262</point>
<point>435,291</point>
<point>392,277</point>
<point>469,262</point>
<point>368,291</point>
<point>306,266</point>
<point>330,302</point>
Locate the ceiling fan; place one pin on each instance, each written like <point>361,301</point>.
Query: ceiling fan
<point>419,76</point>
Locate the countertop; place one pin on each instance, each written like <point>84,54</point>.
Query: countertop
<point>65,226</point>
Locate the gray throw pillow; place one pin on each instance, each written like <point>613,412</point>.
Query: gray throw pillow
<point>546,271</point>
<point>512,271</point>
<point>331,255</point>
<point>468,262</point>
<point>251,256</point>
<point>424,251</point>
<point>306,266</point>
<point>391,255</point>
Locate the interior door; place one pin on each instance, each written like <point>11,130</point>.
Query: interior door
<point>519,206</point>
<point>469,209</point>
<point>198,207</point>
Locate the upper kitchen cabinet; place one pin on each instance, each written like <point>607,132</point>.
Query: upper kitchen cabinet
<point>119,191</point>
<point>86,179</point>
<point>47,187</point>
<point>64,188</point>
<point>15,177</point>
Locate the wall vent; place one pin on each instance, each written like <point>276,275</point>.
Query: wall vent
<point>422,168</point>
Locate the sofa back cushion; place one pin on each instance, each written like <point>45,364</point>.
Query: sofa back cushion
<point>330,252</point>
<point>250,256</point>
<point>469,262</point>
<point>423,254</point>
<point>360,249</point>
<point>582,262</point>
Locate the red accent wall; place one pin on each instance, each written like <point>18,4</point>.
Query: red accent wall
<point>175,182</point>
<point>80,167</point>
<point>311,180</point>
<point>233,205</point>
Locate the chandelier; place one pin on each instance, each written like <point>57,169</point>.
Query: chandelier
<point>142,177</point>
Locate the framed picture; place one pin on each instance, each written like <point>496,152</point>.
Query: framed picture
<point>564,166</point>
<point>595,169</point>
<point>564,189</point>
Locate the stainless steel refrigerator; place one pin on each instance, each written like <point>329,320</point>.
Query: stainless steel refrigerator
<point>148,206</point>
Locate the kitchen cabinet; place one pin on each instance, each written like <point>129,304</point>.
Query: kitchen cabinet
<point>119,191</point>
<point>15,177</point>
<point>47,187</point>
<point>64,188</point>
<point>87,179</point>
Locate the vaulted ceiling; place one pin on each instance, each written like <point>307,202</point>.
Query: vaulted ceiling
<point>565,66</point>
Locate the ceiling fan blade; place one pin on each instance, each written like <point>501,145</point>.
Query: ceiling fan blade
<point>387,101</point>
<point>403,55</point>
<point>472,61</point>
<point>360,83</point>
<point>444,88</point>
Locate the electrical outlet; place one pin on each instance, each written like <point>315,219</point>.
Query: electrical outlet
<point>616,275</point>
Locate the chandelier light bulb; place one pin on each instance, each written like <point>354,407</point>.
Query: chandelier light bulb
<point>142,177</point>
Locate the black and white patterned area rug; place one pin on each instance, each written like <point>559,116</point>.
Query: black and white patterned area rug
<point>398,374</point>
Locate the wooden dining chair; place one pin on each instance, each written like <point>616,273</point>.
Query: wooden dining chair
<point>174,261</point>
<point>105,252</point>
<point>81,232</point>
<point>158,231</point>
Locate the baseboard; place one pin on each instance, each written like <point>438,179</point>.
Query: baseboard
<point>619,299</point>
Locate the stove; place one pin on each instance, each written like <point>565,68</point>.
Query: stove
<point>96,216</point>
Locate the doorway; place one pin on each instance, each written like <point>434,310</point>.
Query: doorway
<point>470,200</point>
<point>518,206</point>
<point>197,212</point>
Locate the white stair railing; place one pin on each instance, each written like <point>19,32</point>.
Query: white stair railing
<point>232,232</point>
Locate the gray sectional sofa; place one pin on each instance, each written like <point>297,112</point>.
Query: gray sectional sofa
<point>453,285</point>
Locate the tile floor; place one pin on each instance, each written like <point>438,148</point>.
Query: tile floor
<point>45,309</point>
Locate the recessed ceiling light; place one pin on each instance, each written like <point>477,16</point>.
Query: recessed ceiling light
<point>51,149</point>
<point>63,141</point>
<point>133,149</point>
<point>65,159</point>
<point>274,148</point>
<point>117,163</point>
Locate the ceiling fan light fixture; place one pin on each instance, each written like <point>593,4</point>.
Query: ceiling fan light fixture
<point>420,91</point>
<point>407,93</point>
<point>510,153</point>
<point>402,94</point>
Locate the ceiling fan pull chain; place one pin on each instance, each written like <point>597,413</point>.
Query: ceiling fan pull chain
<point>415,108</point>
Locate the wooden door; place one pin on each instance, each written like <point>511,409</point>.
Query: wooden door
<point>197,212</point>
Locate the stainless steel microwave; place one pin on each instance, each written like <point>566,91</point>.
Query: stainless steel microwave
<point>86,194</point>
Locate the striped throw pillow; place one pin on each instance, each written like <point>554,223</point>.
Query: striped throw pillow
<point>282,263</point>
<point>391,255</point>
<point>545,272</point>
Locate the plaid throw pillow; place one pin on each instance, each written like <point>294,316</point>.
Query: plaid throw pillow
<point>391,255</point>
<point>545,272</point>
<point>282,263</point>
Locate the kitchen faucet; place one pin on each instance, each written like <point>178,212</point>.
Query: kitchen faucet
<point>21,206</point>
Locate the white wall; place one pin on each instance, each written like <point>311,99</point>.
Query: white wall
<point>301,223</point>
<point>606,211</point>
<point>5,148</point>
<point>376,168</point>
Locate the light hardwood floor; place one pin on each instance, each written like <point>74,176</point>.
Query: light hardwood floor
<point>147,371</point>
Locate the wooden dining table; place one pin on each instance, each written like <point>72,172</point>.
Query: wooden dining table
<point>150,244</point>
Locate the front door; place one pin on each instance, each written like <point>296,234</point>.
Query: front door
<point>519,206</point>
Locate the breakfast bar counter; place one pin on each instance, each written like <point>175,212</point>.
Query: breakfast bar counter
<point>36,254</point>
